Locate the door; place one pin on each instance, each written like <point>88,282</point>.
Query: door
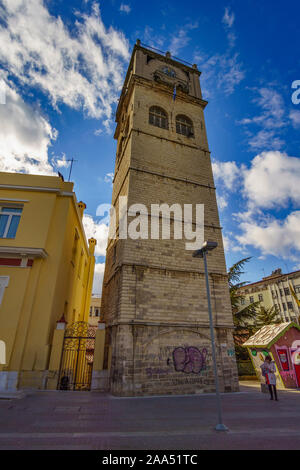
<point>77,357</point>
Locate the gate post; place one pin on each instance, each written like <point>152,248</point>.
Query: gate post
<point>56,354</point>
<point>99,376</point>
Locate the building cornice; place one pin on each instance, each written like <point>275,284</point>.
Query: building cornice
<point>43,189</point>
<point>29,188</point>
<point>271,281</point>
<point>14,200</point>
<point>176,62</point>
<point>171,324</point>
<point>171,177</point>
<point>180,95</point>
<point>167,59</point>
<point>161,175</point>
<point>166,89</point>
<point>23,251</point>
<point>213,274</point>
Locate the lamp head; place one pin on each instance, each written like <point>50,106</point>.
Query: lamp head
<point>207,246</point>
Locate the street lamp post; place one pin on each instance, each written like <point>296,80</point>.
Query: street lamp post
<point>202,253</point>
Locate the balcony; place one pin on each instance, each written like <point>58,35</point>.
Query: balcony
<point>161,77</point>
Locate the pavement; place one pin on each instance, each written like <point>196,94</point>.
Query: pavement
<point>90,420</point>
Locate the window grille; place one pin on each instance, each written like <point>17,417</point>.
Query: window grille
<point>184,126</point>
<point>158,117</point>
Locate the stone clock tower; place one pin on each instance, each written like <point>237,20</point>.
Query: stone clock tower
<point>154,298</point>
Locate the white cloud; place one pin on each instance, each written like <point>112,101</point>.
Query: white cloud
<point>125,8</point>
<point>270,121</point>
<point>83,69</point>
<point>25,136</point>
<point>151,37</point>
<point>275,237</point>
<point>108,178</point>
<point>230,243</point>
<point>295,118</point>
<point>60,162</point>
<point>226,172</point>
<point>265,139</point>
<point>2,92</point>
<point>227,178</point>
<point>224,71</point>
<point>226,243</point>
<point>222,202</point>
<point>272,104</point>
<point>97,230</point>
<point>231,73</point>
<point>272,109</point>
<point>272,180</point>
<point>181,38</point>
<point>107,123</point>
<point>228,18</point>
<point>98,278</point>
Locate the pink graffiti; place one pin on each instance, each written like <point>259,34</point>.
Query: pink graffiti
<point>189,360</point>
<point>290,374</point>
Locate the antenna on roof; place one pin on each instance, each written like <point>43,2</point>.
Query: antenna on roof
<point>287,269</point>
<point>71,167</point>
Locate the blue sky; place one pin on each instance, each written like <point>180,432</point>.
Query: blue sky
<point>62,65</point>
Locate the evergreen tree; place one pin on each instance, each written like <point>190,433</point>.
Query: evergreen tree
<point>243,317</point>
<point>266,316</point>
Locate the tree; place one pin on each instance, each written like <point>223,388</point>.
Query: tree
<point>267,316</point>
<point>241,316</point>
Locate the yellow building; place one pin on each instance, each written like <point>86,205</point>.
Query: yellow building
<point>46,271</point>
<point>275,290</point>
<point>95,309</point>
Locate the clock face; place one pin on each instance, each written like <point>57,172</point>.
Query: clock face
<point>169,72</point>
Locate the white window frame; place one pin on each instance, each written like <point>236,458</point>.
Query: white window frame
<point>4,280</point>
<point>10,216</point>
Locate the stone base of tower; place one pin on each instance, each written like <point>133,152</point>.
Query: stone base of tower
<point>175,360</point>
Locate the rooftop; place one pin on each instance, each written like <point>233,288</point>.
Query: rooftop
<point>269,334</point>
<point>275,276</point>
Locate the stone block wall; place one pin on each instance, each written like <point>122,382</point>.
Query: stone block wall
<point>154,299</point>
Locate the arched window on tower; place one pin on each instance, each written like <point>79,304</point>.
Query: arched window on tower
<point>184,126</point>
<point>158,117</point>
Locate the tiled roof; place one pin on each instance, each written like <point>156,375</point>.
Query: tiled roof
<point>268,334</point>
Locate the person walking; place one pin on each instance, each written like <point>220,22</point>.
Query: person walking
<point>268,370</point>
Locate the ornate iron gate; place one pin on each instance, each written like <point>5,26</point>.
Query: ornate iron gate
<point>77,357</point>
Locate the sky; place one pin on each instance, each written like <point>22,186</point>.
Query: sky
<point>62,65</point>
